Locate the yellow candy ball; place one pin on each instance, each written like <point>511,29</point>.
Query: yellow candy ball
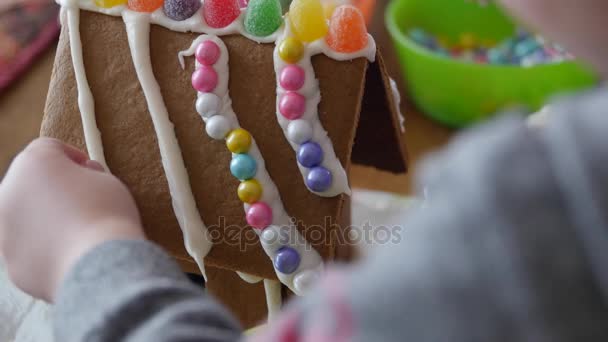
<point>238,141</point>
<point>291,50</point>
<point>250,191</point>
<point>109,3</point>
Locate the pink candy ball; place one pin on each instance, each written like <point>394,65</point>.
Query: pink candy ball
<point>292,105</point>
<point>259,215</point>
<point>204,79</point>
<point>292,77</point>
<point>207,52</point>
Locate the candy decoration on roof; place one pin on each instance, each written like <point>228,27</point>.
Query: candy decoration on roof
<point>179,10</point>
<point>109,3</point>
<point>291,50</point>
<point>263,17</point>
<point>292,105</point>
<point>319,179</point>
<point>243,166</point>
<point>292,77</point>
<point>220,13</point>
<point>238,141</point>
<point>307,20</point>
<point>287,260</point>
<point>207,53</point>
<point>347,30</point>
<point>204,79</point>
<point>259,215</point>
<point>145,5</point>
<point>250,191</point>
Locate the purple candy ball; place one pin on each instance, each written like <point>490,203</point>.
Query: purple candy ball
<point>287,260</point>
<point>181,9</point>
<point>319,179</point>
<point>310,154</point>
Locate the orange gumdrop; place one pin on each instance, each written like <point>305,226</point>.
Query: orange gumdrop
<point>145,5</point>
<point>347,30</point>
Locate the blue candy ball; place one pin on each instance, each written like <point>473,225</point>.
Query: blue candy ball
<point>318,179</point>
<point>179,10</point>
<point>287,260</point>
<point>310,154</point>
<point>243,166</point>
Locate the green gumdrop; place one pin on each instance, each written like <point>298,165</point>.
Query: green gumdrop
<point>263,17</point>
<point>285,4</point>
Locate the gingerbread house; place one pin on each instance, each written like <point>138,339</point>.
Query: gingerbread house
<point>234,126</point>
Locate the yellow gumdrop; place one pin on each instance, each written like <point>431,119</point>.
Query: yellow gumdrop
<point>307,19</point>
<point>238,141</point>
<point>291,50</point>
<point>109,3</point>
<point>250,191</point>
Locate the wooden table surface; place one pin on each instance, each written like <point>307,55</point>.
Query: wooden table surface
<point>21,108</point>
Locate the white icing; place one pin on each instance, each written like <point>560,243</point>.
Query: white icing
<point>208,105</point>
<point>86,103</point>
<point>249,278</point>
<point>272,288</point>
<point>196,237</point>
<point>397,99</point>
<point>310,259</point>
<point>299,131</point>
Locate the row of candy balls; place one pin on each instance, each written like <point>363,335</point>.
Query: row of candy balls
<point>292,106</point>
<point>259,215</point>
<point>242,166</point>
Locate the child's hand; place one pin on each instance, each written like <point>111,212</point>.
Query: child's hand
<point>55,205</point>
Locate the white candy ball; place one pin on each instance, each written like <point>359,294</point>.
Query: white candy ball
<point>299,131</point>
<point>217,127</point>
<point>304,280</point>
<point>208,105</point>
<point>270,237</point>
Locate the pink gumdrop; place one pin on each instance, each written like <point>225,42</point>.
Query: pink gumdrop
<point>204,79</point>
<point>207,52</point>
<point>259,215</point>
<point>292,105</point>
<point>292,77</point>
<point>220,13</point>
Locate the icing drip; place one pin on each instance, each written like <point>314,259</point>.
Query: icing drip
<point>196,238</point>
<point>272,288</point>
<point>280,232</point>
<point>86,103</point>
<point>397,98</point>
<point>249,278</point>
<point>307,126</point>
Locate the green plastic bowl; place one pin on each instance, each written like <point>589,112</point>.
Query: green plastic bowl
<point>459,93</point>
